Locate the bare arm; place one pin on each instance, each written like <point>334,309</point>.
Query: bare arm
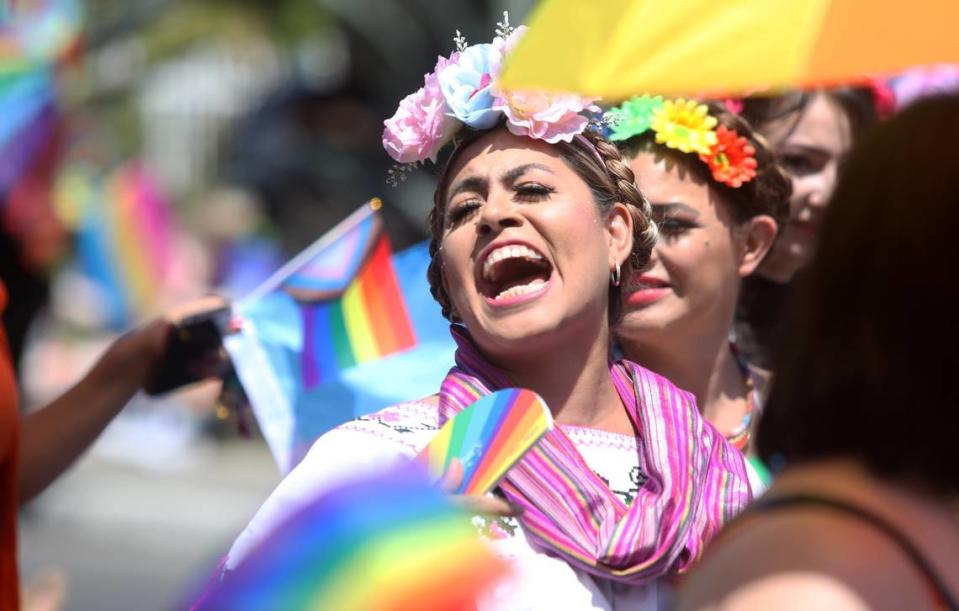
<point>802,560</point>
<point>52,438</point>
<point>793,590</point>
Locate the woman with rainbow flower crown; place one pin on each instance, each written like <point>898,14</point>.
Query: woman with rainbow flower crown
<point>717,196</point>
<point>536,222</point>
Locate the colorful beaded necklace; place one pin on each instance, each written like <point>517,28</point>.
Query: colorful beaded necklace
<point>741,436</point>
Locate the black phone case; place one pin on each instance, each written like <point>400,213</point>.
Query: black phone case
<point>193,339</point>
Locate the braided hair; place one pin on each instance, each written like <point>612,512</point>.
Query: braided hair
<point>611,182</point>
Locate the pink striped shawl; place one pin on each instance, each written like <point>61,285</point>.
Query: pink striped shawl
<point>697,481</point>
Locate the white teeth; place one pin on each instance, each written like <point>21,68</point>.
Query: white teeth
<point>512,251</point>
<point>522,289</point>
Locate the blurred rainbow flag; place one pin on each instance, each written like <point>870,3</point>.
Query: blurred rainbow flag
<point>390,542</point>
<point>488,438</point>
<point>123,238</point>
<point>38,31</point>
<point>34,36</point>
<point>343,329</point>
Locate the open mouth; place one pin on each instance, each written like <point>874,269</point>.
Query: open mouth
<point>512,271</point>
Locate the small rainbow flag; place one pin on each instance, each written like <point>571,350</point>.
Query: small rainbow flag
<point>141,231</point>
<point>488,438</point>
<point>343,329</point>
<point>387,543</point>
<point>123,237</point>
<point>361,323</point>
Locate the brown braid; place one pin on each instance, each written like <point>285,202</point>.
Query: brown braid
<point>627,192</point>
<point>614,182</point>
<point>434,273</point>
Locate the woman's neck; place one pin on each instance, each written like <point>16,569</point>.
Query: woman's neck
<point>576,384</point>
<point>702,364</point>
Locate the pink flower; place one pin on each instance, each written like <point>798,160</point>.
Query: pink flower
<point>733,105</point>
<point>443,62</point>
<point>549,117</point>
<point>544,116</point>
<point>421,125</point>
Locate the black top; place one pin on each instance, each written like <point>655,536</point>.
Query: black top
<point>938,589</point>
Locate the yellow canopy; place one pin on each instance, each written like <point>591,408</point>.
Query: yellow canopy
<point>618,48</point>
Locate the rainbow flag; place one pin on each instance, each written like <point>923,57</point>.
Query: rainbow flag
<point>123,238</point>
<point>34,37</point>
<point>343,329</point>
<point>391,542</point>
<point>363,322</point>
<point>38,31</point>
<point>28,121</point>
<point>488,438</point>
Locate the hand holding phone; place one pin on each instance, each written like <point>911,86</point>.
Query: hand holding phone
<point>193,349</point>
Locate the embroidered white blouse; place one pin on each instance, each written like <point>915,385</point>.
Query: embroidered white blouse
<point>537,580</point>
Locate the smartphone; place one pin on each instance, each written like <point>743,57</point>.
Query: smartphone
<point>192,351</point>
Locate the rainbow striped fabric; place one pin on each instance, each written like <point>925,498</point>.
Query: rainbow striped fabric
<point>388,543</point>
<point>697,481</point>
<point>343,329</point>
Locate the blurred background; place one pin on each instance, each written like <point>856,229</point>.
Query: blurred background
<point>153,151</point>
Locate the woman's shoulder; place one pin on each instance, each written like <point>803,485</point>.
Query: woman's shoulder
<point>411,424</point>
<point>801,559</point>
<point>397,431</point>
<point>358,448</point>
<point>650,383</point>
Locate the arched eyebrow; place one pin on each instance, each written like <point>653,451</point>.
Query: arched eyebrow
<point>662,209</point>
<point>470,183</point>
<point>511,176</point>
<point>479,185</point>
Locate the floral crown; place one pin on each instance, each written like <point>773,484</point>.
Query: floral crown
<point>461,92</point>
<point>685,125</point>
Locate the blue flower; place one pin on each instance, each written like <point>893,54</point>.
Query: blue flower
<point>466,85</point>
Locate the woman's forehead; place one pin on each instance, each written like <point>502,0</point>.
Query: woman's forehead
<point>666,182</point>
<point>657,172</point>
<point>501,150</point>
<point>821,123</point>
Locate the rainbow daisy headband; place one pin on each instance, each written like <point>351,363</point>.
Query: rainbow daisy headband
<point>461,93</point>
<point>686,126</point>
